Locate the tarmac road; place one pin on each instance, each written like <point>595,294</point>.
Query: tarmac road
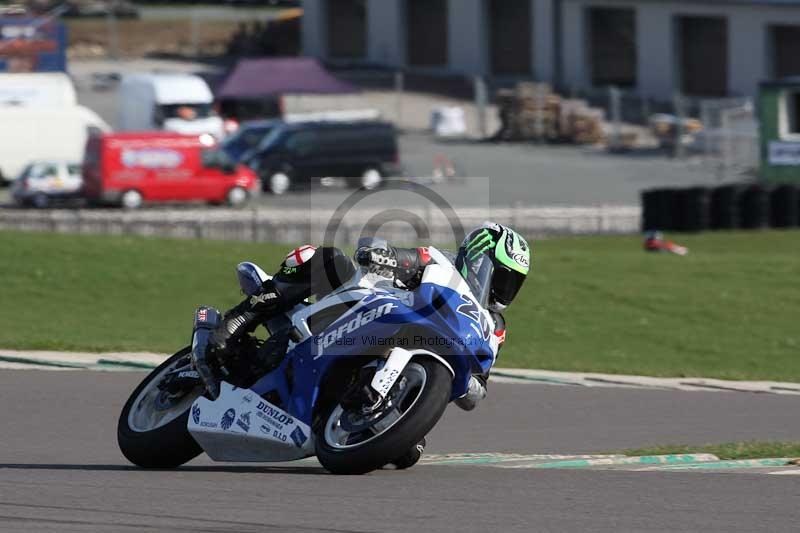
<point>60,469</point>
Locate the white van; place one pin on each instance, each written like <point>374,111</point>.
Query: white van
<point>44,133</point>
<point>51,89</point>
<point>182,103</point>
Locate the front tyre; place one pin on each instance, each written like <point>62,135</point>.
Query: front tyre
<point>351,443</point>
<point>152,431</point>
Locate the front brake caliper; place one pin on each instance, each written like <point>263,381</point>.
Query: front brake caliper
<point>361,397</point>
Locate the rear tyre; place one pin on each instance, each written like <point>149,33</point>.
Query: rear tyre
<point>392,435</point>
<point>236,197</point>
<point>370,179</point>
<point>279,183</point>
<point>153,438</point>
<point>131,199</point>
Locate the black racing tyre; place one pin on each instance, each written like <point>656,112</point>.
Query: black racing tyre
<point>411,457</point>
<point>724,210</point>
<point>168,444</point>
<point>784,206</point>
<point>395,441</point>
<point>659,210</point>
<point>692,209</point>
<point>754,207</point>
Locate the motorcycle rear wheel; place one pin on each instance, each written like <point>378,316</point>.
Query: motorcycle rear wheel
<point>341,452</point>
<point>157,440</point>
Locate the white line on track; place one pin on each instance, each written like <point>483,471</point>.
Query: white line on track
<point>53,360</point>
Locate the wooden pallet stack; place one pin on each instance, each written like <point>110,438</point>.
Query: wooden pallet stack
<point>533,112</point>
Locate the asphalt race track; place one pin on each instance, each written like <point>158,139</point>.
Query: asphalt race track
<point>60,469</point>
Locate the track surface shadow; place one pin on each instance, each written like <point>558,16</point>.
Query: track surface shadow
<point>290,470</point>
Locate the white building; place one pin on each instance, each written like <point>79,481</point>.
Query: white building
<point>701,48</point>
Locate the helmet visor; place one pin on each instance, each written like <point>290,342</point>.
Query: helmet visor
<point>506,284</point>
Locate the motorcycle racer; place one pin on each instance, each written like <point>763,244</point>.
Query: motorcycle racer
<point>309,271</point>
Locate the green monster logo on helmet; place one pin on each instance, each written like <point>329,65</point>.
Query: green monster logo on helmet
<point>479,244</point>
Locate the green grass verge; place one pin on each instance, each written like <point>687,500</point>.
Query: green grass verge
<point>726,451</point>
<point>728,310</point>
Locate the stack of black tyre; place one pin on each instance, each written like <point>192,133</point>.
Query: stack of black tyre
<point>738,206</point>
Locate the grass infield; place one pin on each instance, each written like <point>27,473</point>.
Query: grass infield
<point>597,304</point>
<point>726,451</point>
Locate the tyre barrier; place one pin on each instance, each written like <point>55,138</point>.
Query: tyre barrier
<point>784,207</point>
<point>737,206</point>
<point>754,207</point>
<point>725,207</point>
<point>693,211</point>
<point>657,209</point>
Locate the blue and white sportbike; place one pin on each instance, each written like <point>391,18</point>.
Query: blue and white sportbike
<point>369,370</point>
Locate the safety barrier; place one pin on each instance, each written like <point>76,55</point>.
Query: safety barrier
<point>737,206</point>
<point>407,226</point>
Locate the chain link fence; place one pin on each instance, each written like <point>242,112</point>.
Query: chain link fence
<point>729,139</point>
<point>720,134</point>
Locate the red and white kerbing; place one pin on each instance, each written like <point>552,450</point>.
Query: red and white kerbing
<point>298,256</point>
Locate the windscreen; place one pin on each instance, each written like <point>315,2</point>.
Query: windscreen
<point>270,139</point>
<point>244,140</point>
<point>216,158</point>
<point>479,278</point>
<point>185,111</point>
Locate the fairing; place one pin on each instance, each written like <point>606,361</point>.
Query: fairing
<point>442,317</point>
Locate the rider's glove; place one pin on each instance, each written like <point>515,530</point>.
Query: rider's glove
<point>247,315</point>
<point>404,265</point>
<point>380,261</point>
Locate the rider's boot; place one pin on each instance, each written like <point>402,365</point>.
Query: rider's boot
<point>475,393</point>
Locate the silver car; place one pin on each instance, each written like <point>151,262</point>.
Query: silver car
<point>42,182</point>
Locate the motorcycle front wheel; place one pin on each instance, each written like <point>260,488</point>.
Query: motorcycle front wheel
<point>354,443</point>
<point>152,431</point>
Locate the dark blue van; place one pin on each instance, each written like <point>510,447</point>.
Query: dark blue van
<point>299,154</point>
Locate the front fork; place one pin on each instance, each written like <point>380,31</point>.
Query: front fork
<point>206,320</point>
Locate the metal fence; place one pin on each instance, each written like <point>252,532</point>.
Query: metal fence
<point>295,225</point>
<point>727,140</point>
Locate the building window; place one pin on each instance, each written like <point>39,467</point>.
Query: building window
<point>347,29</point>
<point>789,115</point>
<point>703,55</point>
<point>785,51</point>
<point>612,46</point>
<point>426,33</point>
<point>510,36</point>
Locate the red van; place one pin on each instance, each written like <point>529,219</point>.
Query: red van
<point>129,169</point>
